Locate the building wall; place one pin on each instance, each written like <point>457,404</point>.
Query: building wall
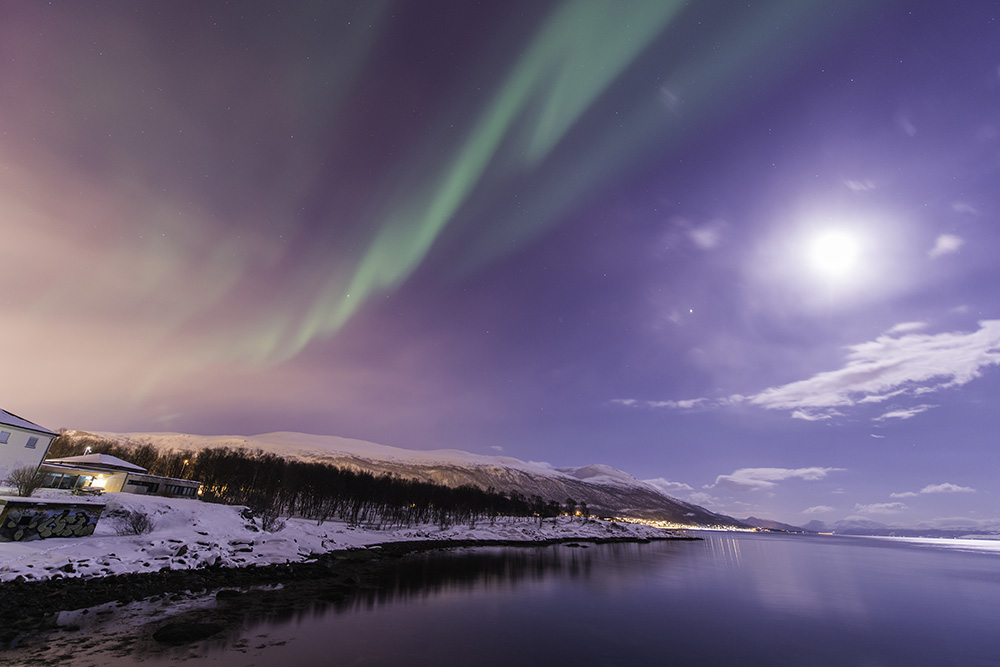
<point>16,453</point>
<point>129,482</point>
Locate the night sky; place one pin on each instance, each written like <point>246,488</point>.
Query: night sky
<point>747,250</point>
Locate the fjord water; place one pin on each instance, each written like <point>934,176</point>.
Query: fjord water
<point>729,599</point>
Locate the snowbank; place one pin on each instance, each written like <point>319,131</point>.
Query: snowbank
<point>190,534</point>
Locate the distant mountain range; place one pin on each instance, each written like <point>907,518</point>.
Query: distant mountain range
<point>607,491</point>
<point>767,524</point>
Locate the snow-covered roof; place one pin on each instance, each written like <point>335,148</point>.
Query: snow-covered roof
<point>8,419</point>
<point>97,462</point>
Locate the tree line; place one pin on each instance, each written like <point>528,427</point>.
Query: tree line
<point>271,486</point>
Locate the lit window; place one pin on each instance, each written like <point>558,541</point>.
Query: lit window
<point>3,437</point>
<point>32,441</point>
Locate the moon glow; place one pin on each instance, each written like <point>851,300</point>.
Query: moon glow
<point>834,254</point>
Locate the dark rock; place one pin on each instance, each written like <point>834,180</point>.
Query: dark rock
<point>176,634</point>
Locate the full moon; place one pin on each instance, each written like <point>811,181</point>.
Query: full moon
<point>834,254</point>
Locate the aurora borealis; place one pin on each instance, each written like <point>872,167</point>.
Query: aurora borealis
<point>744,249</point>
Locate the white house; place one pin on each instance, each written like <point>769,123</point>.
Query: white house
<point>22,443</point>
<point>110,473</point>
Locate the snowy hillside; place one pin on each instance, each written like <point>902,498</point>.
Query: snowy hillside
<point>606,490</point>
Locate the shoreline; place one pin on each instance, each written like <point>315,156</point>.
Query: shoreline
<point>33,607</point>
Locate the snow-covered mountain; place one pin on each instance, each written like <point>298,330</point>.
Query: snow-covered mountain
<point>605,490</point>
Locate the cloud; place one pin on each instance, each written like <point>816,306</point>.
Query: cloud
<point>906,125</point>
<point>668,487</point>
<point>686,404</point>
<point>860,186</point>
<point>818,509</point>
<point>496,447</point>
<point>963,207</point>
<point>890,366</point>
<point>881,508</point>
<point>755,479</point>
<point>707,236</point>
<point>906,327</point>
<point>945,245</point>
<point>876,436</point>
<point>946,487</point>
<point>904,413</point>
<point>810,416</point>
<point>702,498</point>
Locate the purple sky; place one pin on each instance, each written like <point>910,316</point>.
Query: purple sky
<point>750,252</point>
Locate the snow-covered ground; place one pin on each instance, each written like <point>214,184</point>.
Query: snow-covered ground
<point>190,533</point>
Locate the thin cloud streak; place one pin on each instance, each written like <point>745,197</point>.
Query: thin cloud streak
<point>881,508</point>
<point>667,486</point>
<point>755,479</point>
<point>818,509</point>
<point>947,487</point>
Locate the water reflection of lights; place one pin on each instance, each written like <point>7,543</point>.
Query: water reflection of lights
<point>727,550</point>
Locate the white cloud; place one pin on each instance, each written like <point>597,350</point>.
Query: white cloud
<point>881,508</point>
<point>963,207</point>
<point>876,436</point>
<point>810,416</point>
<point>755,479</point>
<point>906,327</point>
<point>890,366</point>
<point>687,404</point>
<point>702,498</point>
<point>496,447</point>
<point>947,487</point>
<point>904,413</point>
<point>667,486</point>
<point>818,509</point>
<point>945,245</point>
<point>893,365</point>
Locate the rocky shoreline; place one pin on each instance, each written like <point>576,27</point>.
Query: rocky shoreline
<point>32,607</point>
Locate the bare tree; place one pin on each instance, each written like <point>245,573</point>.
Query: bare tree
<point>25,480</point>
<point>132,522</point>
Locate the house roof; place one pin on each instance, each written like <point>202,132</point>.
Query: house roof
<point>9,419</point>
<point>99,462</point>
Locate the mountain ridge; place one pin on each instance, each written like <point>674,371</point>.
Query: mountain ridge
<point>606,490</point>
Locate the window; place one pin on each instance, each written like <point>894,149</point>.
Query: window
<point>151,487</point>
<point>32,441</point>
<point>4,435</point>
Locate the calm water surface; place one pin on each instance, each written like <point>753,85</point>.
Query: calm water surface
<point>732,599</point>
